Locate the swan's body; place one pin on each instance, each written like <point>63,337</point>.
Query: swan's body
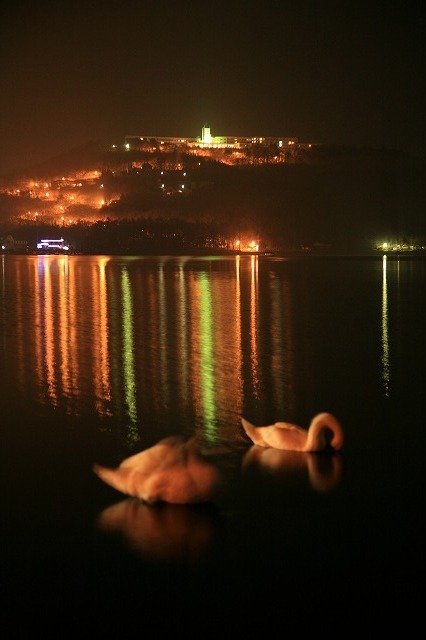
<point>171,471</point>
<point>283,435</point>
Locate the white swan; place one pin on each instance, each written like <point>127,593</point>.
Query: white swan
<point>324,433</point>
<point>171,471</point>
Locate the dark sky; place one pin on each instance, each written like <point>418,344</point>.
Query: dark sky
<point>335,72</point>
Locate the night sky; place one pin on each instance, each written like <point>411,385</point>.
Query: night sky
<point>335,72</point>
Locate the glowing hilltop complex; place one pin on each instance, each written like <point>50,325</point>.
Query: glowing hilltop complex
<point>207,141</point>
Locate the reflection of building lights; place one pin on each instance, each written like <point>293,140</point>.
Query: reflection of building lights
<point>128,355</point>
<point>206,328</point>
<point>385,332</point>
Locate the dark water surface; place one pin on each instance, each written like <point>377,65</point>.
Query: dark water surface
<point>102,357</point>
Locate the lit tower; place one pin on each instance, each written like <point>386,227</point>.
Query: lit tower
<point>206,137</point>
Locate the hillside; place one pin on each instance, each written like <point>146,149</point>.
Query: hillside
<point>335,196</point>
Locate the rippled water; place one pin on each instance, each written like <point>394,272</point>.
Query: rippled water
<point>102,356</point>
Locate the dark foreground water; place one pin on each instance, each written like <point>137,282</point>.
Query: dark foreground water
<point>103,357</point>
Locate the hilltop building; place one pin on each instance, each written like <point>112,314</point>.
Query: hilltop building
<point>208,141</point>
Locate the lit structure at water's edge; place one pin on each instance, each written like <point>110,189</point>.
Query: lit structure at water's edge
<point>53,245</point>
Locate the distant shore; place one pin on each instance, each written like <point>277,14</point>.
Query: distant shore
<point>291,253</point>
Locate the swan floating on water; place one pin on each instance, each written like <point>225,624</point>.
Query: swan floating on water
<point>324,433</point>
<point>173,470</point>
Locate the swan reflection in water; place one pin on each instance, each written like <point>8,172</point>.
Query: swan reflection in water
<point>324,471</point>
<point>170,532</point>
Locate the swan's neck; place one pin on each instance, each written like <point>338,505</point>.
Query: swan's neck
<point>324,433</point>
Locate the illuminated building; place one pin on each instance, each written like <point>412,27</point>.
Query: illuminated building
<point>207,141</point>
<point>52,246</point>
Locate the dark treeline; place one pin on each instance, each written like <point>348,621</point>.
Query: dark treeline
<point>146,235</point>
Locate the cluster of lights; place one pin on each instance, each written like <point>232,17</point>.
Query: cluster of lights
<point>251,246</point>
<point>53,244</point>
<point>391,246</point>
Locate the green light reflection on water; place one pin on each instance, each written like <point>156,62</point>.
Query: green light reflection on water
<point>128,355</point>
<point>207,355</point>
